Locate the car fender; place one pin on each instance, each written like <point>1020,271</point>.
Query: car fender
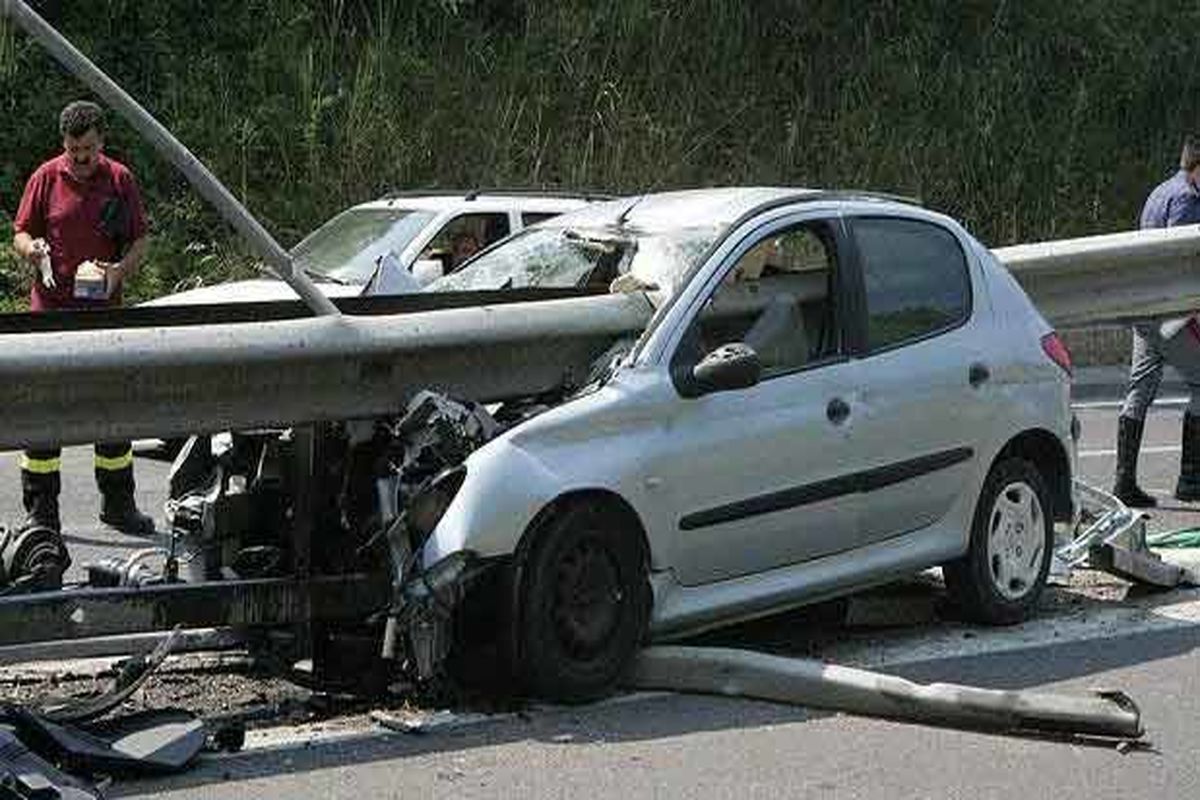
<point>580,446</point>
<point>504,489</point>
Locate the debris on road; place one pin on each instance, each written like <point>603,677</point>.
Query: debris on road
<point>1116,542</point>
<point>25,774</point>
<point>132,673</point>
<point>741,673</point>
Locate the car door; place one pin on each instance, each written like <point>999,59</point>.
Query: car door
<point>751,479</point>
<point>923,399</point>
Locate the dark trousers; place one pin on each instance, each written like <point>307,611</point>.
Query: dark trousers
<point>113,463</point>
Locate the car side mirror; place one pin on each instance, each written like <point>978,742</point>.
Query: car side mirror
<point>730,366</point>
<point>427,270</point>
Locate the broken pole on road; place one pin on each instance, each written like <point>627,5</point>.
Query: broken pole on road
<point>798,681</point>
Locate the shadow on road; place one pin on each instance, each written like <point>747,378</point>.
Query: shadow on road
<point>633,718</point>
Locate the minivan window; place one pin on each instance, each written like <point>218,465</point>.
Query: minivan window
<point>534,217</point>
<point>347,247</point>
<point>916,279</point>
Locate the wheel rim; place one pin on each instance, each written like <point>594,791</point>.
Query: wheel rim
<point>587,598</point>
<point>1016,540</point>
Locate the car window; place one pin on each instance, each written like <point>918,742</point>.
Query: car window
<point>347,247</point>
<point>534,217</point>
<point>555,257</point>
<point>543,257</point>
<point>916,279</point>
<point>779,297</point>
<point>463,237</point>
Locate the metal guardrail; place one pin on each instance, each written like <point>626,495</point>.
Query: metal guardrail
<point>1111,278</point>
<point>75,387</point>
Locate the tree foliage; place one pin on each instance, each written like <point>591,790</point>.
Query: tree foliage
<point>1029,121</point>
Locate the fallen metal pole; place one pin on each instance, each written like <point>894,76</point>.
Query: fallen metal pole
<point>89,613</point>
<point>740,673</point>
<point>170,148</point>
<point>189,641</point>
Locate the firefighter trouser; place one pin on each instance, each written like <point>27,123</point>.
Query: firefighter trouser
<point>40,480</point>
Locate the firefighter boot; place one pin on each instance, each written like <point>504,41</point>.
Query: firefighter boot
<point>117,506</point>
<point>39,494</point>
<point>1129,442</point>
<point>1187,488</point>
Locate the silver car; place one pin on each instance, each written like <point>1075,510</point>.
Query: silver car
<point>834,390</point>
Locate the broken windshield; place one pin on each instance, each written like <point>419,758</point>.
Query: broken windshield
<point>346,248</point>
<point>555,257</point>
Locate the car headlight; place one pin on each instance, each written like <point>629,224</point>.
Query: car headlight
<point>428,505</point>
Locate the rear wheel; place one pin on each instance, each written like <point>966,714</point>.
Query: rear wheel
<point>583,604</point>
<point>1004,572</point>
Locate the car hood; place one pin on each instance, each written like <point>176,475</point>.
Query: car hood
<point>251,291</point>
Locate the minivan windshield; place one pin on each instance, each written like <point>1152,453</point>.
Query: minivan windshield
<point>346,248</point>
<point>560,257</point>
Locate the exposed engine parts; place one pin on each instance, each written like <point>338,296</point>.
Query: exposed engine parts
<point>32,559</point>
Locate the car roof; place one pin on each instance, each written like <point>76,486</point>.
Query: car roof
<point>498,200</point>
<point>712,206</point>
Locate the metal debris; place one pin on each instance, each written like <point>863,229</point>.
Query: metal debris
<point>741,673</point>
<point>1116,542</point>
<point>132,673</point>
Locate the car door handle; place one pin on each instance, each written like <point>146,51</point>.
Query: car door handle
<point>837,411</point>
<point>978,374</point>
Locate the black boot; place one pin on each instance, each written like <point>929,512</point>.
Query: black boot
<point>1187,488</point>
<point>117,506</point>
<point>1129,442</point>
<point>39,495</point>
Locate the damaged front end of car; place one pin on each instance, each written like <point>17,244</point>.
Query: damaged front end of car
<point>379,491</point>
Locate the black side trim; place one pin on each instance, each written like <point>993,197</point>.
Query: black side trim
<point>866,481</point>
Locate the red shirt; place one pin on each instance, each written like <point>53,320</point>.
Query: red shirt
<point>97,218</point>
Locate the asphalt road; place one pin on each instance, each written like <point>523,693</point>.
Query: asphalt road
<point>672,746</point>
<point>676,746</point>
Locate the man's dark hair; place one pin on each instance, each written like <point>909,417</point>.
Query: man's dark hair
<point>1190,158</point>
<point>80,117</point>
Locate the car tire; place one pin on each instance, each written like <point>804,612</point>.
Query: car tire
<point>1004,571</point>
<point>583,604</point>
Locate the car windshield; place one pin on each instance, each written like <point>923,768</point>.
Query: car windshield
<point>556,257</point>
<point>346,247</point>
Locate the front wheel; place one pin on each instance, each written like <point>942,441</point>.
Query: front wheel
<point>1004,571</point>
<point>583,604</point>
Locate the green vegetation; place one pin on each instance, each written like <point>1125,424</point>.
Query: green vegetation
<point>1028,120</point>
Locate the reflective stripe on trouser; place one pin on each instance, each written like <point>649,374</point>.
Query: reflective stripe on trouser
<point>1150,352</point>
<point>41,483</point>
<point>114,468</point>
<point>41,462</point>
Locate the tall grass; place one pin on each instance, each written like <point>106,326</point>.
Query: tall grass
<point>1041,119</point>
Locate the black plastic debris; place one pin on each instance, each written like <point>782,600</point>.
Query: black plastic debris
<point>131,674</point>
<point>144,743</point>
<point>24,775</point>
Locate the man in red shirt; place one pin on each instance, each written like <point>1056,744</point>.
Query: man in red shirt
<point>77,208</point>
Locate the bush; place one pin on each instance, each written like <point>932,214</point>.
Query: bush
<point>1029,121</point>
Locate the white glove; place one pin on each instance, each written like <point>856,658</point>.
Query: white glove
<point>41,252</point>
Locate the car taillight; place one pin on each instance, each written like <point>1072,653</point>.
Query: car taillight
<point>1053,347</point>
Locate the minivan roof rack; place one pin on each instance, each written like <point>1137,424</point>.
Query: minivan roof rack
<point>522,191</point>
<point>533,191</point>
